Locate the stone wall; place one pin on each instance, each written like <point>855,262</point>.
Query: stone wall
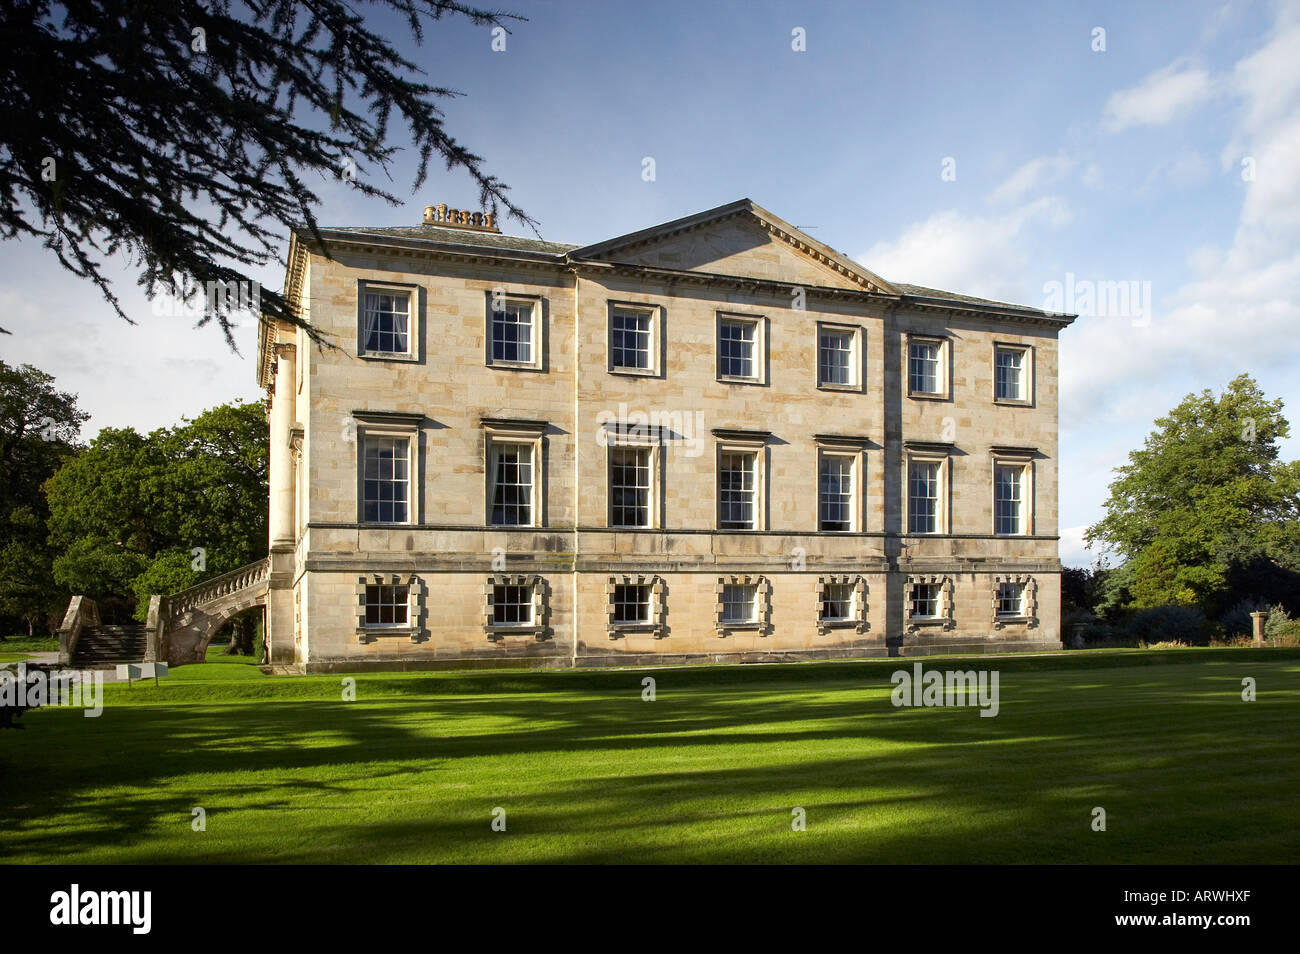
<point>451,387</point>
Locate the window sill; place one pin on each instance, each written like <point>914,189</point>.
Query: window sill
<point>1001,621</point>
<point>385,356</point>
<point>1013,402</point>
<point>727,379</point>
<point>618,630</point>
<point>515,366</point>
<point>928,395</point>
<point>636,372</point>
<point>368,634</point>
<point>847,388</point>
<point>531,629</point>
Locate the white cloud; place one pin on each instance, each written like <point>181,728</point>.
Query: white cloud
<point>976,255</point>
<point>1034,174</point>
<point>1072,549</point>
<point>145,375</point>
<point>1160,98</point>
<point>1269,79</point>
<point>1241,309</point>
<point>1183,170</point>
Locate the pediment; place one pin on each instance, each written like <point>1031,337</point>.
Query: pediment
<point>740,239</point>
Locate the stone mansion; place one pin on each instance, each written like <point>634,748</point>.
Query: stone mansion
<point>716,439</point>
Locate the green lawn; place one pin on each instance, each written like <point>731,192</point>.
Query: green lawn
<point>587,771</point>
<point>18,648</point>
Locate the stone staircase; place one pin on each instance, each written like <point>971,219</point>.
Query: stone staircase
<point>103,646</point>
<point>178,629</point>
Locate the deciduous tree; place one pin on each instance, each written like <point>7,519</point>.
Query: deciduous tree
<point>39,427</point>
<point>1206,495</point>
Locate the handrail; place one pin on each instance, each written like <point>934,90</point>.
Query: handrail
<point>222,585</point>
<point>82,612</point>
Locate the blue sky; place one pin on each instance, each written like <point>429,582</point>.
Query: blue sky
<point>1117,165</point>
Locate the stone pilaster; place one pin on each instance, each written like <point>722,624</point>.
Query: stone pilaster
<point>279,615</point>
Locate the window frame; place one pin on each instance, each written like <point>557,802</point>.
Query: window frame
<point>537,303</point>
<point>654,345</point>
<point>415,308</point>
<point>761,624</point>
<point>854,456</point>
<point>1025,464</point>
<point>654,624</point>
<point>538,626</point>
<point>759,357</point>
<point>857,618</point>
<point>943,515</point>
<point>505,433</point>
<point>857,356</point>
<point>740,443</point>
<point>943,367</point>
<point>413,629</point>
<point>936,598</point>
<point>1028,601</point>
<point>943,602</point>
<point>388,425</point>
<point>1020,600</point>
<point>1026,373</point>
<point>650,442</point>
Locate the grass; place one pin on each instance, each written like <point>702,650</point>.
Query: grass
<point>18,648</point>
<point>710,772</point>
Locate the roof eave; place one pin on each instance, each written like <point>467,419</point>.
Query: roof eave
<point>334,237</point>
<point>1004,311</point>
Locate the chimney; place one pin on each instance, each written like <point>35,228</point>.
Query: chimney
<point>447,218</point>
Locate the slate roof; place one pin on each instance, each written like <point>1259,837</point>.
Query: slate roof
<point>472,239</point>
<point>921,291</point>
<point>467,237</point>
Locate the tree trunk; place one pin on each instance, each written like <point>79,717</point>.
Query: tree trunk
<point>241,637</point>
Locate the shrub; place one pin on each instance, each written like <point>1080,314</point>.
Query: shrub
<point>1175,624</point>
<point>1237,621</point>
<point>1287,634</point>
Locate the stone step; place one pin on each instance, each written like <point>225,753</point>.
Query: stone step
<point>103,647</point>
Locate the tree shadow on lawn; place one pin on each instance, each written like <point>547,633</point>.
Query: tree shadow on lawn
<point>1170,763</point>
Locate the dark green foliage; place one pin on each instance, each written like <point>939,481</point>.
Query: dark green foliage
<point>183,133</point>
<point>139,514</point>
<point>38,433</point>
<point>1158,624</point>
<point>1206,513</point>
